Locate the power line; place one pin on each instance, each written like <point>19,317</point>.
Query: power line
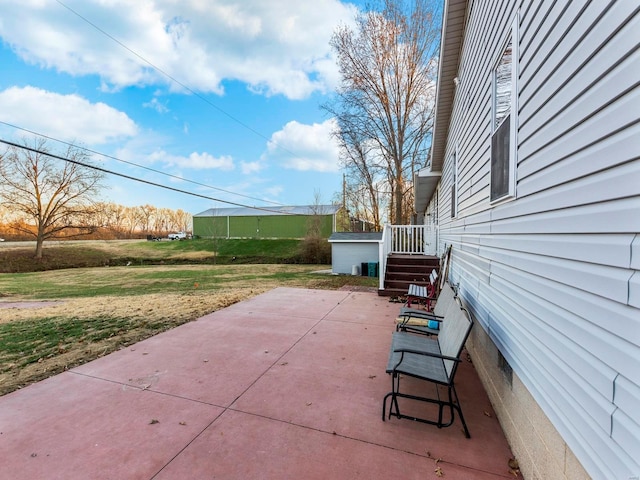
<point>135,179</point>
<point>173,79</point>
<point>138,165</point>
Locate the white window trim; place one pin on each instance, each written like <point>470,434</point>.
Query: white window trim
<point>513,127</point>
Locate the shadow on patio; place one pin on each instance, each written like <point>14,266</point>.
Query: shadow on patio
<point>288,384</point>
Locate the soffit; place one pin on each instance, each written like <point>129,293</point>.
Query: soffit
<point>452,32</point>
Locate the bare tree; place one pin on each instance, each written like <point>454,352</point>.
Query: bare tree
<point>388,70</point>
<point>363,176</point>
<point>146,214</point>
<point>315,247</point>
<point>116,217</point>
<point>50,193</point>
<point>182,220</point>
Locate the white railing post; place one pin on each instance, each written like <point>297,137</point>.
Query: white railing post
<point>384,248</point>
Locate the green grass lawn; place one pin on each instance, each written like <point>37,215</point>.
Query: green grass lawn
<point>135,280</point>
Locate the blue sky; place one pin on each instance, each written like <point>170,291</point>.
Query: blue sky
<point>243,117</point>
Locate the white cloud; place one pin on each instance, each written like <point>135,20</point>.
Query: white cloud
<point>156,105</point>
<point>304,147</point>
<point>274,192</point>
<point>251,167</point>
<point>65,117</point>
<point>275,47</point>
<point>195,161</point>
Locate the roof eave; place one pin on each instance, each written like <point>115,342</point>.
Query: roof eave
<point>453,24</point>
<point>425,183</point>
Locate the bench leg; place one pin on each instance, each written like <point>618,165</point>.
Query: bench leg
<point>456,405</point>
<point>453,403</point>
<point>395,387</point>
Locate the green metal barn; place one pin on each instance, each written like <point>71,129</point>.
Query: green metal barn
<point>265,222</point>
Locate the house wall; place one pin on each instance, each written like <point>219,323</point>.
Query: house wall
<point>553,276</point>
<point>267,226</point>
<point>346,254</point>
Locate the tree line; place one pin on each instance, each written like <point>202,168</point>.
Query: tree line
<point>47,196</point>
<point>106,221</point>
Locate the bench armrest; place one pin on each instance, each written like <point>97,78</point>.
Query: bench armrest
<point>426,354</point>
<point>427,317</point>
<point>424,316</point>
<point>417,329</point>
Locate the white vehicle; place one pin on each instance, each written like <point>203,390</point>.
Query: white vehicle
<point>177,236</point>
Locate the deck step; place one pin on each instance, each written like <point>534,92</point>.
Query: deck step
<point>403,270</point>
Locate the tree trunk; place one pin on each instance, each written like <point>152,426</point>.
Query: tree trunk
<point>39,244</point>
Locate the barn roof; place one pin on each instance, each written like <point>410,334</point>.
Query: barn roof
<point>270,210</point>
<point>355,237</point>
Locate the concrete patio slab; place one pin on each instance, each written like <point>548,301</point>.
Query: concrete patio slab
<point>288,384</point>
<point>72,427</point>
<point>282,450</point>
<point>213,359</point>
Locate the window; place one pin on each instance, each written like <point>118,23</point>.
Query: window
<point>454,185</point>
<point>503,128</point>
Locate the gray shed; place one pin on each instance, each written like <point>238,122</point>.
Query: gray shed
<point>350,249</point>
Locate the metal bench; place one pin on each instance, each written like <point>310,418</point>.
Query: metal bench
<point>423,293</point>
<point>432,359</point>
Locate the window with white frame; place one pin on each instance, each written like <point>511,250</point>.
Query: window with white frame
<point>503,128</point>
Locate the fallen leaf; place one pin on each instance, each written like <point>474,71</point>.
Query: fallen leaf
<point>183,423</point>
<point>309,403</point>
<point>154,421</point>
<point>487,414</point>
<point>513,463</point>
<point>439,472</point>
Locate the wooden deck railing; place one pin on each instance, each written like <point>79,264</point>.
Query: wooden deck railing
<point>407,240</point>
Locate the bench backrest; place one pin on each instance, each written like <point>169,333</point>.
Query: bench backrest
<point>454,332</point>
<point>433,280</point>
<point>445,300</point>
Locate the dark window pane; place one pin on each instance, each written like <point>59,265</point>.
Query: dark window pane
<point>500,160</point>
<point>453,200</point>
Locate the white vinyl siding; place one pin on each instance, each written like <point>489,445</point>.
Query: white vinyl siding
<point>344,255</point>
<point>454,185</point>
<point>553,276</point>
